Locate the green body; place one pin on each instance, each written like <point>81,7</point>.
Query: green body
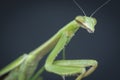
<point>23,68</point>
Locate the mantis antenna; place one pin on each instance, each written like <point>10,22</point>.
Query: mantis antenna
<point>100,7</point>
<point>79,7</point>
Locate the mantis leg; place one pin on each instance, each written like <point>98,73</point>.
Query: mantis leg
<point>68,67</point>
<point>92,64</point>
<point>67,71</point>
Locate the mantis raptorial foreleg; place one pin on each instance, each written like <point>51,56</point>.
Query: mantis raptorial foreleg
<point>79,64</point>
<point>68,67</point>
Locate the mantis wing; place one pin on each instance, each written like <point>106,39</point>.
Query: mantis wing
<point>13,64</point>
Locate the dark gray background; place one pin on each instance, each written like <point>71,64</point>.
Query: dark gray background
<point>26,24</point>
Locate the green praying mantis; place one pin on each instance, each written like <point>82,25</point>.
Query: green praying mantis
<point>23,68</point>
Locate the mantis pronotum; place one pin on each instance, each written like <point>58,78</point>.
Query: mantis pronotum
<point>23,68</point>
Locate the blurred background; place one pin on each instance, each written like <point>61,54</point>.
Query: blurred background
<point>26,24</point>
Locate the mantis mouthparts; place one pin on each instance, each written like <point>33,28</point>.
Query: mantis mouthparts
<point>90,31</point>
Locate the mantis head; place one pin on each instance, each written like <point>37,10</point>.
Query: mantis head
<point>87,23</point>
